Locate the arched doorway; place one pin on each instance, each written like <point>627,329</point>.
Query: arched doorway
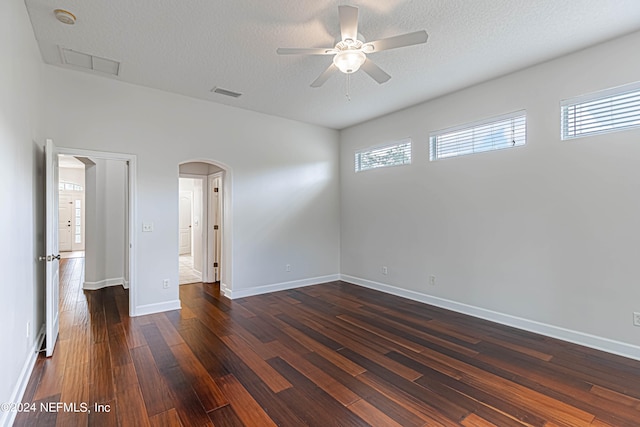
<point>204,221</point>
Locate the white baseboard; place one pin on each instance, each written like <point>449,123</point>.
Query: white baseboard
<point>8,417</point>
<point>599,343</point>
<point>142,310</point>
<point>241,293</point>
<point>224,288</point>
<point>94,286</point>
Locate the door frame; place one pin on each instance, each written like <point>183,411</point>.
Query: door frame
<point>206,249</point>
<point>204,222</point>
<point>226,219</point>
<point>131,226</point>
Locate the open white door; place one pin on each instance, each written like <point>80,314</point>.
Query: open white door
<point>52,257</point>
<point>184,218</point>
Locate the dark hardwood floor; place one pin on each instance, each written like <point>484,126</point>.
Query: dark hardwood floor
<point>327,355</point>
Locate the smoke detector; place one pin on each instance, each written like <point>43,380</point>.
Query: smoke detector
<point>65,16</point>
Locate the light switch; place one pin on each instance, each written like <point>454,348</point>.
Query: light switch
<point>147,226</point>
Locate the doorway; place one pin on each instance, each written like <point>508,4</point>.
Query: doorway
<point>53,301</point>
<point>190,211</point>
<point>102,224</point>
<point>71,207</point>
<point>201,199</point>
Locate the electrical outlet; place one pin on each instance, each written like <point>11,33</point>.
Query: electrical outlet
<point>147,227</point>
<point>432,280</point>
<point>287,267</point>
<point>384,270</point>
<point>165,283</point>
<point>636,318</point>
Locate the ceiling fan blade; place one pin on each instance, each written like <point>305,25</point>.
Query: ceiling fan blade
<point>303,51</point>
<point>348,22</point>
<point>324,76</point>
<point>394,42</point>
<point>376,73</point>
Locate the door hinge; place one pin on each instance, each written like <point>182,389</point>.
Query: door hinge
<point>215,190</point>
<point>215,227</point>
<point>215,264</point>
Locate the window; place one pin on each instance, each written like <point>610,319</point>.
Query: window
<point>69,186</point>
<point>78,221</point>
<point>507,131</point>
<point>398,153</point>
<point>605,111</point>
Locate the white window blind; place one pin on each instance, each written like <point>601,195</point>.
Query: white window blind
<point>496,133</point>
<point>398,153</point>
<point>605,111</point>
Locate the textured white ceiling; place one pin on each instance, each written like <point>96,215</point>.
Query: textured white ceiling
<point>189,47</point>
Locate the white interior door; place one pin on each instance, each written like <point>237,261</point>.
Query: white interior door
<point>65,226</point>
<point>184,214</point>
<point>52,256</point>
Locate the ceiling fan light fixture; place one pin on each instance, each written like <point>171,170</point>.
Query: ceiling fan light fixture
<point>349,61</point>
<point>350,54</point>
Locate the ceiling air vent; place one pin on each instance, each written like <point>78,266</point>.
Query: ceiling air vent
<point>226,92</point>
<point>89,62</point>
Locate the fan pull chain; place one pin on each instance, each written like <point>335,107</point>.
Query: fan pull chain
<point>348,87</point>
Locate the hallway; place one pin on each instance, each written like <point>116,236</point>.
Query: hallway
<point>187,274</point>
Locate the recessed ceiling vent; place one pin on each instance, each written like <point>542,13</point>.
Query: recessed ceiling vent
<point>89,62</point>
<point>226,92</point>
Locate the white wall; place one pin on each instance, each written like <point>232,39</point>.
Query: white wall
<point>114,212</point>
<point>547,232</point>
<point>75,175</point>
<point>21,193</point>
<point>284,176</point>
<point>94,233</point>
<point>105,224</point>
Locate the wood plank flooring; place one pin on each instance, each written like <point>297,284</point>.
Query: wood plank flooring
<point>327,355</point>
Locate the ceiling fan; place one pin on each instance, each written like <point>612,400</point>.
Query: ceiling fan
<point>350,53</point>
